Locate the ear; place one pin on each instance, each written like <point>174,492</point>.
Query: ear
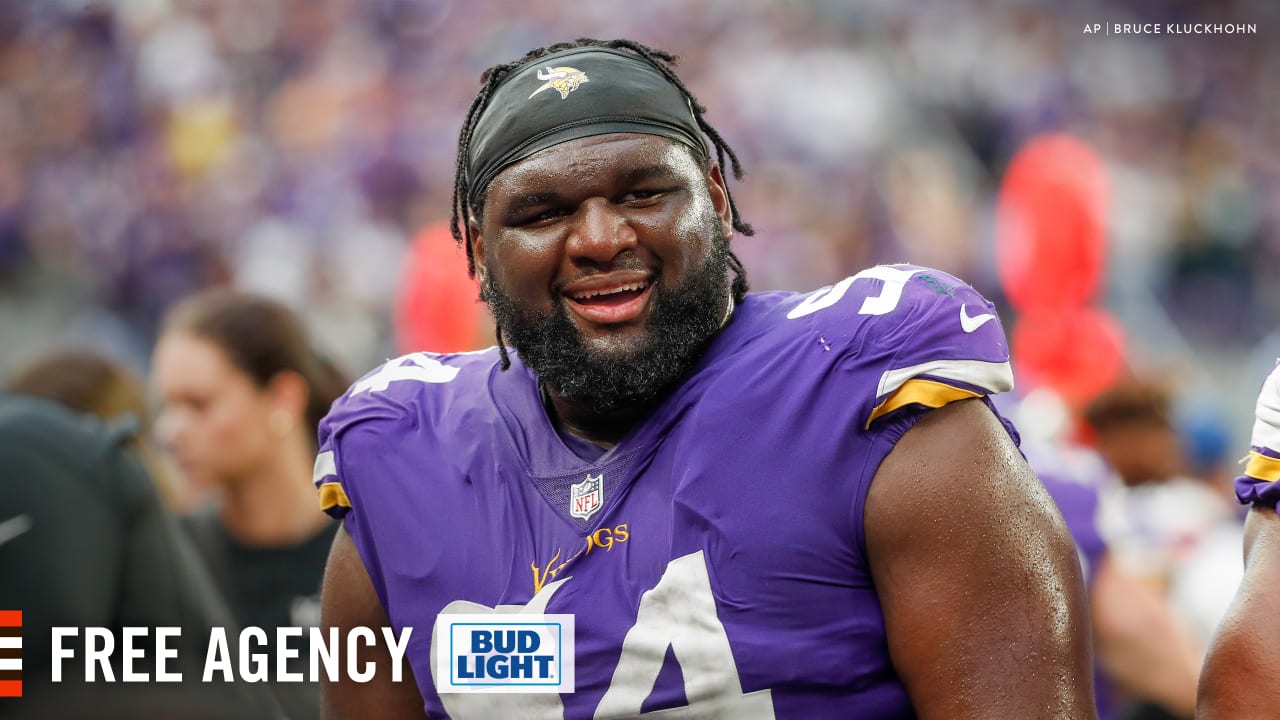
<point>288,391</point>
<point>720,198</point>
<point>477,249</point>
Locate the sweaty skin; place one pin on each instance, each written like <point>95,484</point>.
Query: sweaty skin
<point>1237,682</point>
<point>618,208</point>
<point>982,593</point>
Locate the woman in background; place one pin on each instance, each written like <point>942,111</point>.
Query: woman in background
<point>243,391</point>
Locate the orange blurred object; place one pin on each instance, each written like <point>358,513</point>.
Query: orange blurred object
<point>437,305</point>
<point>1051,220</point>
<point>1076,352</point>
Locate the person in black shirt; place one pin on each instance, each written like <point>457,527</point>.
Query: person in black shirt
<point>88,543</point>
<point>242,392</point>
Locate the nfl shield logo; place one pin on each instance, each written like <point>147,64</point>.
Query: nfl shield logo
<point>586,497</point>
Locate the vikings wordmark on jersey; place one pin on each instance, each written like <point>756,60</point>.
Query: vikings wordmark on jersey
<point>714,558</point>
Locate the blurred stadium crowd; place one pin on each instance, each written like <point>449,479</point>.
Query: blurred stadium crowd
<point>150,149</point>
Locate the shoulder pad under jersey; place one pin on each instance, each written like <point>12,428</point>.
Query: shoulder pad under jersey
<point>924,336</point>
<point>390,404</point>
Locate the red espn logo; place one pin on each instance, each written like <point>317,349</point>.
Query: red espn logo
<point>10,653</point>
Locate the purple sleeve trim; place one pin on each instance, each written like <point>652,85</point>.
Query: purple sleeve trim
<point>1252,491</point>
<point>1266,451</point>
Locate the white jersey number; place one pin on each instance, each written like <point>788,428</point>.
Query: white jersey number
<point>678,613</point>
<point>420,367</point>
<point>894,280</point>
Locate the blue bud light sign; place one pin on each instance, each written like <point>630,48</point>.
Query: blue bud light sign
<point>504,653</point>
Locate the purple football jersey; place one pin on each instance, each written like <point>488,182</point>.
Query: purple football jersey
<point>1259,483</point>
<point>714,558</point>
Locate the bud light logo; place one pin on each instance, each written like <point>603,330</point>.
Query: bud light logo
<point>497,654</point>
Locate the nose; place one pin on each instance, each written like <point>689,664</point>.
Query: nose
<point>600,233</point>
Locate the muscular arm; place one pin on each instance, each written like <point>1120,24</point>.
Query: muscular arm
<point>349,600</point>
<point>1238,681</point>
<point>981,589</point>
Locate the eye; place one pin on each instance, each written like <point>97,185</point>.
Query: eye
<point>542,217</point>
<point>640,197</point>
<point>191,403</point>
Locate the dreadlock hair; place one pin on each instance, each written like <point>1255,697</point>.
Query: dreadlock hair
<point>663,62</point>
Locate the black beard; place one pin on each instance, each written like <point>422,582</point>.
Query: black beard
<point>681,325</point>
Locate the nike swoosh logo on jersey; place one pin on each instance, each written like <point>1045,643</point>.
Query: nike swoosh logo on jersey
<point>969,324</point>
<point>13,527</point>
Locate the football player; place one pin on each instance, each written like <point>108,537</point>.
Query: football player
<point>769,505</point>
<point>1246,650</point>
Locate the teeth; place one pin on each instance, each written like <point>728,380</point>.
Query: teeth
<point>622,288</point>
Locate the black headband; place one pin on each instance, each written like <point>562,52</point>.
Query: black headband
<point>575,94</point>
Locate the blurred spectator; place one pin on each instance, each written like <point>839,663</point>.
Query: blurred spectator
<point>1205,576</point>
<point>1151,527</point>
<point>92,384</point>
<point>1131,424</point>
<point>1142,650</point>
<point>1171,533</point>
<point>243,392</point>
<point>292,147</point>
<point>87,543</point>
<point>1158,514</point>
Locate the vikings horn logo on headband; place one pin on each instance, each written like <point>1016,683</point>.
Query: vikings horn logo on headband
<point>632,96</point>
<point>563,79</point>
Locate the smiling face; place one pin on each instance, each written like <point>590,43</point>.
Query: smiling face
<point>605,261</point>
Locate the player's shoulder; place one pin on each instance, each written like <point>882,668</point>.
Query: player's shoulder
<point>911,334</point>
<point>412,389</point>
<point>394,417</point>
<point>914,314</point>
<point>891,295</point>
